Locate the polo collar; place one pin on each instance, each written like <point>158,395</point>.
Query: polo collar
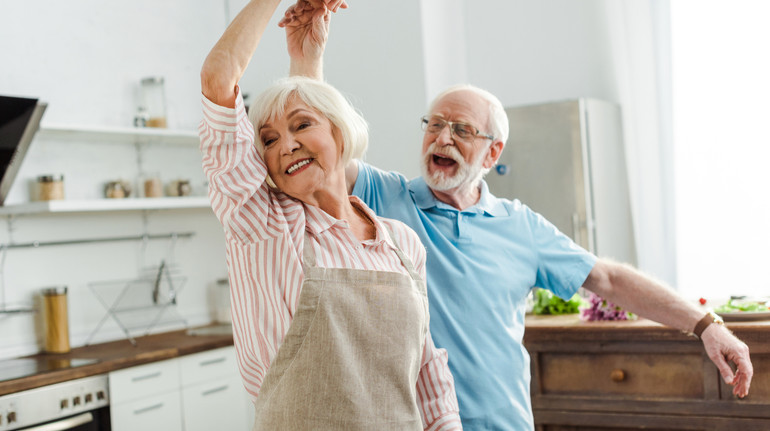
<point>488,204</point>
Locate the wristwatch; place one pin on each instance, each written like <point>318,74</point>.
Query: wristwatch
<point>707,320</point>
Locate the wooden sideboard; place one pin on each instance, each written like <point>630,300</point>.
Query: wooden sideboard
<point>634,375</point>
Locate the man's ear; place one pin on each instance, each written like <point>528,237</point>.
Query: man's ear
<point>493,154</point>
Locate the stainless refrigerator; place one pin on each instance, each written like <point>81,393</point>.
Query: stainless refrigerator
<point>566,161</point>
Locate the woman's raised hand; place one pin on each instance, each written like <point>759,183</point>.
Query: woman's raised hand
<point>307,30</point>
<point>296,11</point>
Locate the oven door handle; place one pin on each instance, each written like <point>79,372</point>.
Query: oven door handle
<point>64,424</point>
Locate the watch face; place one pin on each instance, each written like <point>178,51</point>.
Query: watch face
<point>717,318</point>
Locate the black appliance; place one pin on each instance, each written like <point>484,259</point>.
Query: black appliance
<point>19,121</point>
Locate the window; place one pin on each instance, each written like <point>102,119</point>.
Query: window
<point>721,109</point>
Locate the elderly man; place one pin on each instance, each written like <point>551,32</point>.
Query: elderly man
<point>485,253</point>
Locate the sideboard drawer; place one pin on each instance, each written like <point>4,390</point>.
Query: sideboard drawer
<point>656,375</point>
<point>760,383</point>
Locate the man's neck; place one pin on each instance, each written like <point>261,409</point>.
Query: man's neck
<point>460,198</point>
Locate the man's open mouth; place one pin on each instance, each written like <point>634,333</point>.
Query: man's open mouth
<point>441,160</point>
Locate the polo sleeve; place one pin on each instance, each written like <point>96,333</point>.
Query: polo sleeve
<point>563,265</point>
<point>378,188</point>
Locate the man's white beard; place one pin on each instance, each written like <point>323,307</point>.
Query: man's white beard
<point>466,177</point>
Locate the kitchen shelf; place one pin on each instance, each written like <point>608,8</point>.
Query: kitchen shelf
<point>94,205</point>
<point>125,135</point>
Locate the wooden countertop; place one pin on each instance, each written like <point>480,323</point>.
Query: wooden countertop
<point>544,328</point>
<point>117,355</point>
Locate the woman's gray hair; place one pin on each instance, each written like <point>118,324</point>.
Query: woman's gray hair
<point>498,120</point>
<point>323,98</point>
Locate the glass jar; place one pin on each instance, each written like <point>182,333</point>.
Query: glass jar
<point>117,189</point>
<point>153,188</point>
<point>154,101</point>
<point>179,188</point>
<point>50,187</point>
<point>57,337</point>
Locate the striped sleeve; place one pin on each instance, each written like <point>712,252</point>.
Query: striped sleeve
<point>236,173</point>
<point>436,396</point>
<point>260,229</point>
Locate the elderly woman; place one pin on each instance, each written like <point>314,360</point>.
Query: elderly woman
<point>329,305</point>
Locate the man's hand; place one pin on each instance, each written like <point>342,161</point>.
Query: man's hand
<point>307,33</point>
<point>723,347</point>
<point>302,6</point>
<point>307,30</point>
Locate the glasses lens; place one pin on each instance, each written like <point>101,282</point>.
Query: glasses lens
<point>433,124</point>
<point>463,131</point>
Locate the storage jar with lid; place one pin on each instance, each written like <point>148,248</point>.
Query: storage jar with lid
<point>49,187</point>
<point>154,101</point>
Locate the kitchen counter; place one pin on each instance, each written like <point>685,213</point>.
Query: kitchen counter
<point>639,375</point>
<point>116,355</point>
<point>545,327</point>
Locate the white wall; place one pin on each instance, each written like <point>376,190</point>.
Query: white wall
<point>537,51</point>
<point>86,57</point>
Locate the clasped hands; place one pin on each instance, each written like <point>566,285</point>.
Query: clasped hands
<point>296,14</point>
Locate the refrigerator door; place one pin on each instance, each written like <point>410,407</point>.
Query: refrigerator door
<point>565,160</point>
<point>545,168</point>
<point>611,201</point>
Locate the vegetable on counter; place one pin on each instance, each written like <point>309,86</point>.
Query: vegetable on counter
<point>742,306</point>
<point>601,309</point>
<point>548,303</point>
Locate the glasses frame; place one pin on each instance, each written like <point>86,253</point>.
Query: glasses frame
<point>426,119</point>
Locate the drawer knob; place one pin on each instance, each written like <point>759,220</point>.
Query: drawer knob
<point>617,376</point>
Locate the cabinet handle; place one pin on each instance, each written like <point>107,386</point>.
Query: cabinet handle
<point>146,376</point>
<point>148,408</point>
<point>212,361</point>
<point>214,390</point>
<point>617,376</point>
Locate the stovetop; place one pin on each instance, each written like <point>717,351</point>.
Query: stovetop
<point>11,369</point>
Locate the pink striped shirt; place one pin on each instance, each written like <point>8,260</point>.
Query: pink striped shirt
<point>265,234</point>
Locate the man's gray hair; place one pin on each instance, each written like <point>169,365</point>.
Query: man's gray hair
<point>498,120</point>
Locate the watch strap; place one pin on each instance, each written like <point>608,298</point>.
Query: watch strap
<point>703,323</point>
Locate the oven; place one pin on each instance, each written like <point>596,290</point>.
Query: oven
<point>74,405</point>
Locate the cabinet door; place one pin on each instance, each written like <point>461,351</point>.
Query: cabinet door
<point>144,380</point>
<point>208,366</point>
<point>217,404</point>
<point>161,412</point>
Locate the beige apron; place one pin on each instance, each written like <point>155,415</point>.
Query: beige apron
<point>351,357</point>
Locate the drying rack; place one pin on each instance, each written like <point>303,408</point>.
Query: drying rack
<point>164,281</point>
<point>141,303</point>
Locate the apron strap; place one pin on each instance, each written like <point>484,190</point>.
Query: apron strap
<point>404,259</point>
<point>308,255</point>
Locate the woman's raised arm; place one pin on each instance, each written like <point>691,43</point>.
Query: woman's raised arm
<point>227,60</point>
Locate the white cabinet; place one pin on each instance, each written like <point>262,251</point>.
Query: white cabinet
<point>197,392</point>
<point>213,396</point>
<point>146,397</point>
<point>159,412</point>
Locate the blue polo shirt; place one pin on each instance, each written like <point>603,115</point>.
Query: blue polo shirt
<point>481,264</point>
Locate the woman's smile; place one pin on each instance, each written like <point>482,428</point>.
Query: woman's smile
<point>299,166</point>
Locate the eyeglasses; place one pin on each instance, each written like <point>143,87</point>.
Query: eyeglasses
<point>462,131</point>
